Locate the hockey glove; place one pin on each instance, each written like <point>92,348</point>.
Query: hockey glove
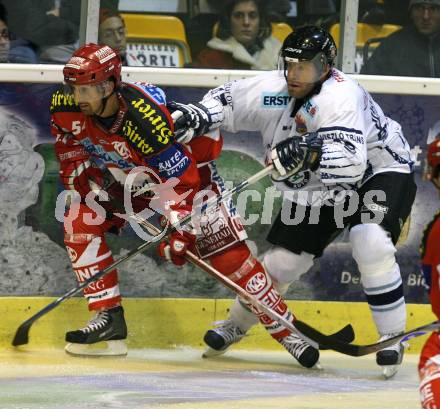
<point>189,120</point>
<point>176,248</point>
<point>296,154</point>
<point>181,240</point>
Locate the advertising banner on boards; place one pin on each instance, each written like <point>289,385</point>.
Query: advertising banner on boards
<point>32,255</point>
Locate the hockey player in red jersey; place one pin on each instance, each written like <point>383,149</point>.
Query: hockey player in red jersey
<point>106,123</point>
<point>102,123</point>
<point>429,364</point>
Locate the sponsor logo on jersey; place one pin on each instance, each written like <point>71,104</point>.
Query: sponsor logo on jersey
<point>172,162</point>
<point>274,100</point>
<point>131,131</point>
<point>159,127</point>
<point>310,108</point>
<point>122,149</point>
<point>105,156</point>
<point>300,122</point>
<point>339,134</point>
<point>60,99</point>
<point>223,94</point>
<point>154,92</point>
<point>257,283</point>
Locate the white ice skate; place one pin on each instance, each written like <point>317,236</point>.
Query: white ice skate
<point>220,338</point>
<point>390,358</point>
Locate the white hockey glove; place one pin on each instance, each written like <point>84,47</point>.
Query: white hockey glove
<point>296,154</point>
<point>189,120</point>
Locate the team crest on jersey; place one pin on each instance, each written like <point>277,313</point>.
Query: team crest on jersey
<point>122,149</point>
<point>300,122</point>
<point>299,180</point>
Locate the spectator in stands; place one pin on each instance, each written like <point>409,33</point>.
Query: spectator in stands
<point>414,50</point>
<point>243,40</point>
<point>112,32</point>
<point>13,50</point>
<point>52,27</point>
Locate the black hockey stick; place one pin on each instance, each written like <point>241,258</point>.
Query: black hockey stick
<point>345,334</point>
<point>360,350</point>
<point>22,334</point>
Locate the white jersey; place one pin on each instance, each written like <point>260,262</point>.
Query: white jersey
<point>359,141</point>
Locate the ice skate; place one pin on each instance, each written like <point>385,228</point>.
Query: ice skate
<point>390,358</point>
<point>303,352</point>
<point>219,339</point>
<point>106,326</point>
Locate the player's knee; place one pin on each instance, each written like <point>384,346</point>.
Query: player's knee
<point>286,267</point>
<point>373,249</point>
<point>232,259</point>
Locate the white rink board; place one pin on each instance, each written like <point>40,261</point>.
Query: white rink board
<point>186,77</point>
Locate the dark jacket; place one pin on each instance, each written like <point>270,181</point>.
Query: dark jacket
<point>406,53</point>
<point>28,19</point>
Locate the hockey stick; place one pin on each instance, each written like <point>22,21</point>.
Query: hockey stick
<point>346,334</point>
<point>360,350</point>
<point>22,334</point>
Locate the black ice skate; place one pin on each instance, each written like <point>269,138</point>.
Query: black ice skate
<point>221,338</point>
<point>391,357</point>
<point>303,352</point>
<point>107,325</point>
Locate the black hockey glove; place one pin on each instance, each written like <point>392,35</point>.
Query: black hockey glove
<point>189,120</point>
<point>296,154</point>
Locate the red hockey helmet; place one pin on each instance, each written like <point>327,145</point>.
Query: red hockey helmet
<point>433,159</point>
<point>93,64</point>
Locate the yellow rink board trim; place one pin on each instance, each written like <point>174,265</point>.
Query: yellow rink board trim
<point>168,322</point>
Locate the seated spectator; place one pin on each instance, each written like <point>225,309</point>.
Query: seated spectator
<point>51,27</point>
<point>112,32</point>
<point>243,40</point>
<point>16,50</point>
<point>413,51</point>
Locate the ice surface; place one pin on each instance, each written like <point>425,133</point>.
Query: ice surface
<point>180,378</point>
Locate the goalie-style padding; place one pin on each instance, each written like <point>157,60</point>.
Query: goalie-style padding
<point>89,253</point>
<point>374,252</point>
<point>285,267</point>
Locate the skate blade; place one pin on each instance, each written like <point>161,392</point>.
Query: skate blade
<point>112,348</point>
<point>317,366</point>
<point>389,371</point>
<point>211,352</point>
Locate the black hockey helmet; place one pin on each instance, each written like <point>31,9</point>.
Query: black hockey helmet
<point>306,43</point>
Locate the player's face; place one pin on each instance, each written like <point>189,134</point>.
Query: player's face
<point>301,78</point>
<point>426,18</point>
<point>112,33</point>
<point>89,98</point>
<point>245,22</point>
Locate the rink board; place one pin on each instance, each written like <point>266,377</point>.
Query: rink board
<point>170,322</point>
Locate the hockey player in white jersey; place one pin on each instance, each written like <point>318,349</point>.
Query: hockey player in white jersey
<point>362,150</point>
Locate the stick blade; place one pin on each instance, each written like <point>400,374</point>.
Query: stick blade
<point>22,334</point>
<point>345,334</point>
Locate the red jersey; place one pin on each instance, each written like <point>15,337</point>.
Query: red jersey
<point>431,262</point>
<point>140,134</point>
